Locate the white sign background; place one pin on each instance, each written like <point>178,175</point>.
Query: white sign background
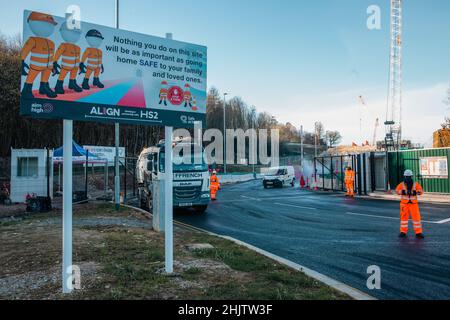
<point>434,167</point>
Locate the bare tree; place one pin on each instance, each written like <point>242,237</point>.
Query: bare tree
<point>334,138</point>
<point>319,130</point>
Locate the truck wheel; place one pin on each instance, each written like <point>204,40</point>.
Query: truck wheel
<point>201,209</point>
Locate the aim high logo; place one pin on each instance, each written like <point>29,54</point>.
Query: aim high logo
<point>103,111</point>
<point>39,108</point>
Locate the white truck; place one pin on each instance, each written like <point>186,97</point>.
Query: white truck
<point>190,179</point>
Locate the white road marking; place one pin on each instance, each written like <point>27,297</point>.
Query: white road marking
<point>393,218</point>
<point>251,198</point>
<point>295,206</point>
<point>443,221</point>
<point>370,215</point>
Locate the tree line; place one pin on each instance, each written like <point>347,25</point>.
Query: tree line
<point>21,132</point>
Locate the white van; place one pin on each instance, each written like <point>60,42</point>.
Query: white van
<point>279,177</point>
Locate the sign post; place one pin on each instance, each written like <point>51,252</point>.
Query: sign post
<point>108,75</point>
<point>117,142</point>
<point>168,195</point>
<point>67,206</point>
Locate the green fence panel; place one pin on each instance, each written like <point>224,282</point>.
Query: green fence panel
<point>410,159</point>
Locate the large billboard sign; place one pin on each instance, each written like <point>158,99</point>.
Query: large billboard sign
<point>434,167</point>
<point>83,71</point>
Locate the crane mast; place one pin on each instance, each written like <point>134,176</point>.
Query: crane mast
<point>394,104</point>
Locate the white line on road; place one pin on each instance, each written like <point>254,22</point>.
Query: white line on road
<point>393,218</point>
<point>443,221</point>
<point>295,206</point>
<point>251,198</point>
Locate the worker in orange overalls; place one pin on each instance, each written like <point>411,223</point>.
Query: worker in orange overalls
<point>41,51</point>
<point>349,182</point>
<point>214,185</point>
<point>409,205</point>
<point>163,92</point>
<point>69,53</point>
<point>94,57</point>
<point>187,96</point>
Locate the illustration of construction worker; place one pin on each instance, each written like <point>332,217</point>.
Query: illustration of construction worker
<point>94,57</point>
<point>214,185</point>
<point>409,205</point>
<point>163,92</point>
<point>41,51</point>
<point>69,53</point>
<point>187,97</point>
<point>349,182</point>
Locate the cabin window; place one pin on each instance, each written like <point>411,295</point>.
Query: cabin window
<point>27,167</point>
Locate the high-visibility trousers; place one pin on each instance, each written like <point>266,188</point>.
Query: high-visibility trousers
<point>407,209</point>
<point>89,72</point>
<point>32,74</point>
<point>64,72</point>
<point>350,188</point>
<point>213,190</point>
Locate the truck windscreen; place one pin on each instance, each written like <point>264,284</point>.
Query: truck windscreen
<point>184,163</point>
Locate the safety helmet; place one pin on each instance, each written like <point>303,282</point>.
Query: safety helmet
<point>408,173</point>
<point>38,16</point>
<point>214,171</point>
<point>164,82</point>
<point>94,33</point>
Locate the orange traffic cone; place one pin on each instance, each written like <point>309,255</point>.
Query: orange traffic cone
<point>389,191</point>
<point>302,182</point>
<point>314,183</point>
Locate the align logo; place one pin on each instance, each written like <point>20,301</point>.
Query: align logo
<point>113,112</point>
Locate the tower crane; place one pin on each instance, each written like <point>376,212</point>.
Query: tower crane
<point>393,121</point>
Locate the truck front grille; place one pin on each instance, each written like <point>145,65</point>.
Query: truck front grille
<point>186,193</point>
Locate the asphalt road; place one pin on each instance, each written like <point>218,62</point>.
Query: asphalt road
<point>337,236</point>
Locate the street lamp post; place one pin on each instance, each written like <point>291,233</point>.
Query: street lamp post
<point>301,148</point>
<point>224,135</point>
<point>253,128</point>
<point>315,139</point>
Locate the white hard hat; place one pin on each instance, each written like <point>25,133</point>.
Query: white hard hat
<point>408,173</point>
<point>214,171</point>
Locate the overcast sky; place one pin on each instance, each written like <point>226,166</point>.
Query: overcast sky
<point>301,60</point>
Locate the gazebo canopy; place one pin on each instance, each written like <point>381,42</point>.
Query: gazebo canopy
<point>78,155</point>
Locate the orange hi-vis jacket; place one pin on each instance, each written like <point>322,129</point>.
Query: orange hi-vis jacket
<point>349,176</point>
<point>70,55</point>
<point>42,51</point>
<point>214,182</point>
<point>163,93</point>
<point>94,58</point>
<point>409,199</point>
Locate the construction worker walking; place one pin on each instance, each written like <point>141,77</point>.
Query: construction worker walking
<point>409,205</point>
<point>349,182</point>
<point>214,185</point>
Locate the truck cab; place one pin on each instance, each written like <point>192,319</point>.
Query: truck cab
<point>190,176</point>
